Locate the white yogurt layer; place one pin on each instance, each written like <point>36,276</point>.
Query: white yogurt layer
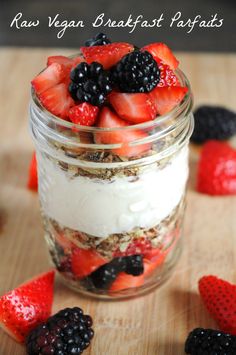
<point>101,208</point>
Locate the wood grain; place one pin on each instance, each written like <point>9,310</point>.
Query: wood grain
<point>158,322</point>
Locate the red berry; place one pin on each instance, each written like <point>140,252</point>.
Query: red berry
<point>219,297</point>
<point>167,76</point>
<point>107,55</point>
<point>217,169</point>
<point>125,281</point>
<point>135,108</point>
<point>25,307</point>
<point>32,183</point>
<point>166,98</point>
<point>57,100</point>
<point>162,51</point>
<point>84,114</point>
<point>60,59</point>
<point>85,261</point>
<point>51,76</point>
<point>108,119</point>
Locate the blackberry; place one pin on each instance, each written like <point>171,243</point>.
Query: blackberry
<point>104,276</point>
<point>90,83</point>
<point>213,123</point>
<point>136,72</point>
<point>134,265</point>
<point>99,40</point>
<point>67,332</point>
<point>210,342</point>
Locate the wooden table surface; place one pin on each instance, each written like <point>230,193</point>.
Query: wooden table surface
<point>159,322</point>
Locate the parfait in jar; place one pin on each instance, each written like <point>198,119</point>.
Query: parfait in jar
<point>111,126</point>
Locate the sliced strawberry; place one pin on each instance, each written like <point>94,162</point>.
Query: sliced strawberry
<point>85,261</point>
<point>108,119</point>
<point>166,98</point>
<point>60,59</point>
<point>153,262</point>
<point>25,307</point>
<point>51,76</point>
<point>125,281</point>
<point>162,51</point>
<point>107,55</point>
<point>167,76</point>
<point>57,100</point>
<point>219,297</point>
<point>135,108</point>
<point>84,114</point>
<point>32,183</point>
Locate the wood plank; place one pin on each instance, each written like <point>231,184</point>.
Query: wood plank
<point>158,322</point>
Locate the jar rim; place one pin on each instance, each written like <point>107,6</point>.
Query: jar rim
<point>186,104</point>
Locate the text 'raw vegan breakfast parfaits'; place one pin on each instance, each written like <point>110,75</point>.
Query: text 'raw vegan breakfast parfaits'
<point>111,127</point>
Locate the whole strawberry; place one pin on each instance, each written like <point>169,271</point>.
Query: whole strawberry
<point>219,297</point>
<point>217,169</point>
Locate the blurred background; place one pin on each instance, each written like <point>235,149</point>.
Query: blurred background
<point>221,39</point>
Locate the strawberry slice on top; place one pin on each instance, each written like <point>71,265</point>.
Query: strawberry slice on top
<point>60,59</point>
<point>167,75</point>
<point>166,98</point>
<point>108,119</point>
<point>108,54</point>
<point>163,52</point>
<point>135,108</point>
<point>23,308</point>
<point>57,100</point>
<point>49,77</point>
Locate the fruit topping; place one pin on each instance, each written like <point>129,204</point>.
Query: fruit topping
<point>135,108</point>
<point>107,55</point>
<point>98,40</point>
<point>108,119</point>
<point>60,59</point>
<point>32,183</point>
<point>163,52</point>
<point>67,332</point>
<point>90,83</point>
<point>166,98</point>
<point>57,100</point>
<point>217,169</point>
<point>27,306</point>
<point>83,114</point>
<point>213,123</point>
<point>49,77</point>
<point>136,72</point>
<point>167,75</point>
<point>125,281</point>
<point>85,261</point>
<point>210,342</point>
<point>219,297</point>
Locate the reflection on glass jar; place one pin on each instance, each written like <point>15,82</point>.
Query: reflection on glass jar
<point>113,214</point>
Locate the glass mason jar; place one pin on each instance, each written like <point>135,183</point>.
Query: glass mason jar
<point>113,213</point>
